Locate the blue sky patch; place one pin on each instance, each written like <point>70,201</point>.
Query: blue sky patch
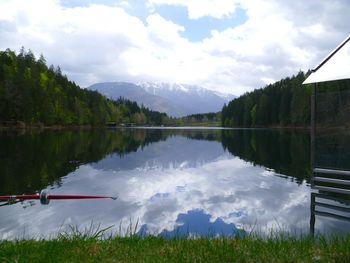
<point>198,29</point>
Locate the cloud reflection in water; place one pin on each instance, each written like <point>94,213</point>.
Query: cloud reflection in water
<point>165,185</point>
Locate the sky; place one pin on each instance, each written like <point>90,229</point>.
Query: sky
<point>231,46</point>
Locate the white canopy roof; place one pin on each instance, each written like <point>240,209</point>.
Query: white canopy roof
<point>335,66</point>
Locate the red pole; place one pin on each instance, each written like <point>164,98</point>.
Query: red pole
<point>21,197</point>
<point>61,197</point>
<point>45,197</point>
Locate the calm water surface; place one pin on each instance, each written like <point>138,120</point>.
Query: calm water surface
<point>168,182</point>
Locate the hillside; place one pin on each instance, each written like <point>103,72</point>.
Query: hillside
<point>34,94</point>
<point>284,103</point>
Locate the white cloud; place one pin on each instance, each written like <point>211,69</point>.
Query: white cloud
<point>276,41</point>
<point>239,193</point>
<point>104,43</point>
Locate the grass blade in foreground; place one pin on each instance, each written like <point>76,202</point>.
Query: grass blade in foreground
<point>155,249</point>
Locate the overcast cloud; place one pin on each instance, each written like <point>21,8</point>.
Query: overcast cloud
<point>95,41</point>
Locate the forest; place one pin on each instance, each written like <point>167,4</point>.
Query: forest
<point>31,93</point>
<point>286,103</point>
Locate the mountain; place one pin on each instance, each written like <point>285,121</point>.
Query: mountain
<point>133,92</point>
<point>174,99</point>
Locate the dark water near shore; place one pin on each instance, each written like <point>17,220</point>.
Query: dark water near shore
<point>169,182</point>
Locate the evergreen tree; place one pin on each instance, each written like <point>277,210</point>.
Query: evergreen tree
<point>33,93</point>
<point>286,102</point>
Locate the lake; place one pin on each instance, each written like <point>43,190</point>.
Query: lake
<point>182,182</point>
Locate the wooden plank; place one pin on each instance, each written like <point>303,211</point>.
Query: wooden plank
<point>331,180</point>
<point>332,198</point>
<point>331,189</point>
<point>334,207</point>
<point>331,171</point>
<point>326,214</point>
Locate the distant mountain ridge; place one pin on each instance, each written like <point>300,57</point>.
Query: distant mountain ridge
<point>176,100</point>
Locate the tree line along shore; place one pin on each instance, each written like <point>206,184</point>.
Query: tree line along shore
<point>33,94</point>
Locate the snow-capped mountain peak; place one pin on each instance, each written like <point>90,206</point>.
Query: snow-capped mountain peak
<point>163,85</point>
<point>173,98</point>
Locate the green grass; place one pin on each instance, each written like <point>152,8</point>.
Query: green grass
<point>85,248</point>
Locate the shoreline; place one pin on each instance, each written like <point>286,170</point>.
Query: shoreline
<point>23,127</point>
<point>89,127</point>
